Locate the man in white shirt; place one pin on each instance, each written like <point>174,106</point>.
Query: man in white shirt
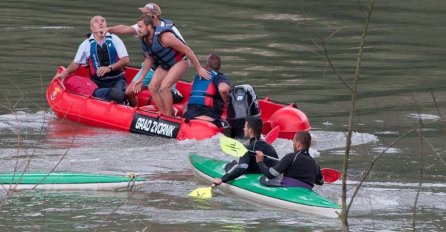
<point>107,56</point>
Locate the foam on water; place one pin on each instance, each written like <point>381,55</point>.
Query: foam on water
<point>21,120</point>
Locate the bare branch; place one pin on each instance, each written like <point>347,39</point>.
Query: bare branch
<point>435,101</point>
<point>434,150</point>
<point>345,208</point>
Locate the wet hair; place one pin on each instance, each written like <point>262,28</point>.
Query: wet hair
<point>147,20</point>
<point>304,138</point>
<point>256,124</point>
<point>213,62</point>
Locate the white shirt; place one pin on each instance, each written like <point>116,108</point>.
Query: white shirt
<point>83,52</point>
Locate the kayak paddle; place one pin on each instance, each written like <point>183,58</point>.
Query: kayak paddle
<point>202,193</point>
<point>272,135</point>
<point>235,148</point>
<point>330,175</point>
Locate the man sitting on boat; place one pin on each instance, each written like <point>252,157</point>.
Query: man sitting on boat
<point>107,56</point>
<point>170,55</point>
<point>299,169</point>
<point>138,83</point>
<point>209,97</point>
<point>247,163</point>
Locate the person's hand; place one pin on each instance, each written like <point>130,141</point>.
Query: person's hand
<point>203,73</point>
<point>137,87</point>
<point>101,31</point>
<point>259,156</point>
<point>61,75</point>
<point>217,181</point>
<point>102,71</point>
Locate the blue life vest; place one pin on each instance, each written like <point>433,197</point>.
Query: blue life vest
<point>165,57</point>
<point>103,55</point>
<point>203,91</point>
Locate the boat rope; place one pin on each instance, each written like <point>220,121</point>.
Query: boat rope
<point>132,180</point>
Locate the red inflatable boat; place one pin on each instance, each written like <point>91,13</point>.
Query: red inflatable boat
<point>80,106</point>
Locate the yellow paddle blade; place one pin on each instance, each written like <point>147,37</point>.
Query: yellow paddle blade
<point>202,193</point>
<point>232,147</point>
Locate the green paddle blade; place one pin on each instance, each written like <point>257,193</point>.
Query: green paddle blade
<point>202,193</point>
<point>232,147</point>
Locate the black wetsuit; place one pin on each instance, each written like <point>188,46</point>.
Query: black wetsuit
<point>300,166</point>
<point>247,163</point>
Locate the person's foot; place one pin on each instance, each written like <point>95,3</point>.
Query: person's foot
<point>175,112</point>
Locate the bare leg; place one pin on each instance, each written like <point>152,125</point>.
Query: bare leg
<point>205,118</point>
<point>131,96</point>
<point>174,74</point>
<point>154,88</point>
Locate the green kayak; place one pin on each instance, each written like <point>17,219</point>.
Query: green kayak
<point>67,181</point>
<point>248,187</point>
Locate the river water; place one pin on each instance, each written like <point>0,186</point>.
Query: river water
<point>276,46</point>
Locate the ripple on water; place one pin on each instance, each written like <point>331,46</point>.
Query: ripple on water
<point>247,50</point>
<point>239,37</point>
<point>387,150</point>
<point>282,17</point>
<point>37,28</point>
<point>424,116</point>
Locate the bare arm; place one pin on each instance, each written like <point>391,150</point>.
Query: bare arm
<point>122,62</point>
<point>147,65</point>
<point>168,39</point>
<point>223,89</point>
<point>70,69</point>
<point>120,29</point>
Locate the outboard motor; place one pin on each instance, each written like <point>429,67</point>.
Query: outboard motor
<point>242,103</point>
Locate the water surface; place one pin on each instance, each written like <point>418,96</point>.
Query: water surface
<point>278,48</point>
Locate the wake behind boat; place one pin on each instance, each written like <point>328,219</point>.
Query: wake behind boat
<point>68,103</point>
<point>67,181</point>
<point>249,188</point>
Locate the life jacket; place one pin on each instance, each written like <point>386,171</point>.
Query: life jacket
<point>203,91</point>
<point>167,22</point>
<point>165,57</point>
<point>103,55</point>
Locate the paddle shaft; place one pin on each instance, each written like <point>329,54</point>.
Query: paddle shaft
<point>251,152</point>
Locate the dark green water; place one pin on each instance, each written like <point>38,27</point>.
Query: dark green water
<point>276,46</point>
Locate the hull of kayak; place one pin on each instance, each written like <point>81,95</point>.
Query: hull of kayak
<point>67,181</point>
<point>249,188</point>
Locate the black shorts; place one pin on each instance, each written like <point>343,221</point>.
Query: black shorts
<point>176,96</point>
<point>194,111</point>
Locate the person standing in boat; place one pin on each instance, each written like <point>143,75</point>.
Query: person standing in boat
<point>107,56</point>
<point>209,97</point>
<point>138,84</point>
<point>299,169</point>
<point>170,55</point>
<point>247,163</point>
